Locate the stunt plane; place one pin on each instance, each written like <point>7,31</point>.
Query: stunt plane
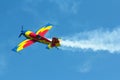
<point>39,36</point>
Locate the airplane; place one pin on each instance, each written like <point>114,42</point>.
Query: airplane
<point>39,36</point>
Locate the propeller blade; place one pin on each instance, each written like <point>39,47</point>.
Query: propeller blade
<point>21,32</point>
<point>20,35</point>
<point>22,28</point>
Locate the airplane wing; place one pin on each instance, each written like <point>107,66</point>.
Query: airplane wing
<point>42,31</point>
<point>23,45</point>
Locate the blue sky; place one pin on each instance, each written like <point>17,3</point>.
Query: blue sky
<point>69,17</point>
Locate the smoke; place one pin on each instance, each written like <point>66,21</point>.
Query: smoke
<point>94,40</point>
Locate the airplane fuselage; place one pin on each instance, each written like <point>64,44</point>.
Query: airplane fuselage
<point>31,35</point>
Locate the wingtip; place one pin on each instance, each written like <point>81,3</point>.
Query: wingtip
<point>15,49</point>
<point>49,24</point>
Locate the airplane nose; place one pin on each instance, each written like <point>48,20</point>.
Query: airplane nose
<point>23,32</point>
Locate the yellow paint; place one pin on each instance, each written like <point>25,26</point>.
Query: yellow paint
<point>44,41</point>
<point>28,33</point>
<point>43,29</point>
<point>57,44</point>
<point>49,46</point>
<point>20,46</point>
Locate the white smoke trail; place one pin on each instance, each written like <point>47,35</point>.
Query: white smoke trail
<point>95,40</point>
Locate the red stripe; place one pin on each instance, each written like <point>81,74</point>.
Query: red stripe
<point>33,35</point>
<point>43,33</point>
<point>28,43</point>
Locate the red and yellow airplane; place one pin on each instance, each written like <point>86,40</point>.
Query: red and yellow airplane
<point>39,36</point>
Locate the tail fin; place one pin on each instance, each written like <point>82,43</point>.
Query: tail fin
<point>54,43</point>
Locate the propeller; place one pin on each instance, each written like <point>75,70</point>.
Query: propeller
<point>21,32</point>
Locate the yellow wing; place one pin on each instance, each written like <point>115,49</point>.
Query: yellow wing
<point>23,45</point>
<point>42,31</point>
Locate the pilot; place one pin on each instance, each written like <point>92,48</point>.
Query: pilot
<point>38,36</point>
